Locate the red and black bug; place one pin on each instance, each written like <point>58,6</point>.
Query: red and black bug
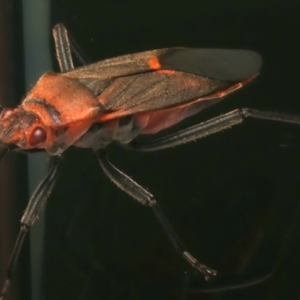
<point>116,100</point>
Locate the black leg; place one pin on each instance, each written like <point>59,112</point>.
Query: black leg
<point>64,44</point>
<point>209,127</point>
<point>145,198</point>
<point>62,48</point>
<point>35,205</point>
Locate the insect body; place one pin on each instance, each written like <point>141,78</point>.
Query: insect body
<point>119,99</point>
<point>61,109</point>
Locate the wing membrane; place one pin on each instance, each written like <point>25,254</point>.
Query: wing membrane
<point>155,90</point>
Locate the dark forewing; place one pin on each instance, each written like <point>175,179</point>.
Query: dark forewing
<point>162,78</point>
<point>221,64</point>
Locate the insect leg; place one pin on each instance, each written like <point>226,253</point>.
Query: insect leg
<point>35,205</point>
<point>62,48</point>
<point>145,198</point>
<point>211,126</point>
<point>64,44</point>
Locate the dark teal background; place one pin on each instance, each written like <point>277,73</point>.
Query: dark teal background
<point>232,197</point>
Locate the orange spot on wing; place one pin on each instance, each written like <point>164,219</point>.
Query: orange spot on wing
<point>154,63</point>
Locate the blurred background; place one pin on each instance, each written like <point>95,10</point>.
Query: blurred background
<point>233,197</point>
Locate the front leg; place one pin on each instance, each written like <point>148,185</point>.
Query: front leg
<point>34,207</point>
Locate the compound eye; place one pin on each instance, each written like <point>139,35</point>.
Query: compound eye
<point>38,137</point>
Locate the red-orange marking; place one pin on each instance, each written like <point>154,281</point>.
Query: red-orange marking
<point>154,63</point>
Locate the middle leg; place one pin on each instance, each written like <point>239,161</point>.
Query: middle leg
<point>140,194</point>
